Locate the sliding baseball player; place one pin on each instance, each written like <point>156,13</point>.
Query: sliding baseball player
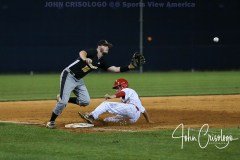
<point>128,110</point>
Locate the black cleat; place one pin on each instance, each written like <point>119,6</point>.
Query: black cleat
<point>87,117</point>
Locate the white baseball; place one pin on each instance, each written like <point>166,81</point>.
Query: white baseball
<point>215,39</point>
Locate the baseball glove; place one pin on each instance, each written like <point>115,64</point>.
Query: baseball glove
<point>137,59</point>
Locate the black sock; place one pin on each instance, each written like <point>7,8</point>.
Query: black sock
<point>91,116</point>
<point>73,100</point>
<point>53,117</point>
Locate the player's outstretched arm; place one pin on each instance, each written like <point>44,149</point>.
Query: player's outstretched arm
<point>146,116</point>
<point>120,69</point>
<point>136,61</point>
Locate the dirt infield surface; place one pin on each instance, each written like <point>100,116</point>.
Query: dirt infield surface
<point>167,112</point>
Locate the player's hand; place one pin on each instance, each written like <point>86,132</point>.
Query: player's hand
<point>107,96</point>
<point>92,66</point>
<point>88,61</point>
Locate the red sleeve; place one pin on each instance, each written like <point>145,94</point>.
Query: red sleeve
<point>120,94</point>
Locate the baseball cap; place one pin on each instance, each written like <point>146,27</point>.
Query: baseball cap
<point>104,43</point>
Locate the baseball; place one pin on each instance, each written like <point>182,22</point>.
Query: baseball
<point>149,38</point>
<point>216,39</point>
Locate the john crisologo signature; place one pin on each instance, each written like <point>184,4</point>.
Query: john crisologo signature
<point>204,137</point>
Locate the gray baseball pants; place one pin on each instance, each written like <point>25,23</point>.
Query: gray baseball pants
<point>69,83</point>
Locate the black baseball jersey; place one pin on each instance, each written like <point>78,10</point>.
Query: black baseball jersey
<point>80,68</point>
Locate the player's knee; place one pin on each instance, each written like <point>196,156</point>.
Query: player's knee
<point>84,103</point>
<point>106,103</point>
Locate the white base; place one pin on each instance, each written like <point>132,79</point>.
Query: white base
<point>79,125</point>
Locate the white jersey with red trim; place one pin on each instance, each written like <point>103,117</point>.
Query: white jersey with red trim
<point>131,97</point>
<point>131,107</point>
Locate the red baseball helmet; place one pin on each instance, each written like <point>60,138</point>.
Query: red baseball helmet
<point>123,83</point>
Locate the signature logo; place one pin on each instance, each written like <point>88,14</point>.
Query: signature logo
<point>204,138</point>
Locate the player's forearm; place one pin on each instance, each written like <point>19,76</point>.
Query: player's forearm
<point>120,69</point>
<point>114,69</point>
<point>83,55</point>
<point>107,96</point>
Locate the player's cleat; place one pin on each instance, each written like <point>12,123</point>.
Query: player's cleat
<point>51,125</point>
<point>87,117</point>
<point>58,98</point>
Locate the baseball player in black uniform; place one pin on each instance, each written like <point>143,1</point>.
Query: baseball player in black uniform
<point>72,77</point>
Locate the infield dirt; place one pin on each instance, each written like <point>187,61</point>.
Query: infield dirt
<point>167,112</point>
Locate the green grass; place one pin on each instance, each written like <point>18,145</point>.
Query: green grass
<point>46,86</point>
<point>29,142</point>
